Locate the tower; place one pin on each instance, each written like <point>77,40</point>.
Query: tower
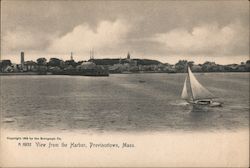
<point>22,58</point>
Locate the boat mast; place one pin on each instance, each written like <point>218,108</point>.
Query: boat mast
<point>190,83</point>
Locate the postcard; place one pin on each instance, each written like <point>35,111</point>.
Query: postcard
<point>124,83</point>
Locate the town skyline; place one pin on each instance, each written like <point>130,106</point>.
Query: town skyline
<point>167,31</point>
<point>64,57</point>
<point>102,67</point>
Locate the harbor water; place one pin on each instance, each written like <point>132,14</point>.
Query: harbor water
<point>121,103</point>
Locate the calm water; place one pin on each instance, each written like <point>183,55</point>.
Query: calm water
<point>121,102</point>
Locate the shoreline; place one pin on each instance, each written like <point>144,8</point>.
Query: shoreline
<point>37,74</point>
<point>21,73</point>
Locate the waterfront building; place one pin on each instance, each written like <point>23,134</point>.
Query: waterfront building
<point>86,65</point>
<point>91,69</point>
<point>15,67</point>
<point>8,68</point>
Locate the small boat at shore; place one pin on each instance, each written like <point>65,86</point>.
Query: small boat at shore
<point>197,95</point>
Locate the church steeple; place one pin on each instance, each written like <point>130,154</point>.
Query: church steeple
<point>128,56</point>
<point>92,54</point>
<point>71,56</point>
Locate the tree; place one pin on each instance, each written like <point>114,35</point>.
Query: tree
<point>54,62</point>
<point>4,64</point>
<point>248,65</point>
<point>190,63</point>
<point>70,62</point>
<point>181,65</point>
<point>79,63</point>
<point>41,61</point>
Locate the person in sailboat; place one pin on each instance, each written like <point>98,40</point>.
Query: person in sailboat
<point>197,95</point>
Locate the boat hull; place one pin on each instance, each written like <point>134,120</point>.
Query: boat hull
<point>209,103</point>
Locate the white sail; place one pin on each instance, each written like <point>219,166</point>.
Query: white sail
<point>184,94</point>
<point>198,91</point>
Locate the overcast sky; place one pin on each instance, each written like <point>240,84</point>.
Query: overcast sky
<point>163,30</point>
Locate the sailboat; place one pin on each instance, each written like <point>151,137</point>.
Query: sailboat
<point>197,95</point>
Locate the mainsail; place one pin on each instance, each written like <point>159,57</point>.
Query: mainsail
<point>184,94</point>
<point>197,90</point>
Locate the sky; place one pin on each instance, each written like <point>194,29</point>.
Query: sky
<point>167,31</point>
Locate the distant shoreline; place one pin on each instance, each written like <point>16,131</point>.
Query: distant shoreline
<point>20,73</point>
<point>37,74</point>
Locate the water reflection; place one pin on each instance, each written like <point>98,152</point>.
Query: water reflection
<point>200,109</point>
<point>201,117</point>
